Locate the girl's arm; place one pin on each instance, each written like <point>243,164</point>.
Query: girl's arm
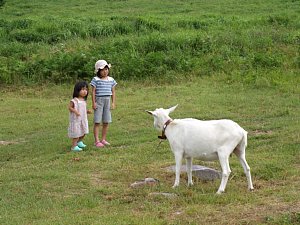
<point>72,109</point>
<point>94,106</point>
<point>88,111</point>
<point>113,98</point>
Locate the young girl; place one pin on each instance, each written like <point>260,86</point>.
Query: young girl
<point>78,126</point>
<point>103,98</point>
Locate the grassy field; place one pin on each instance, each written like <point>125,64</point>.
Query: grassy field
<point>42,182</point>
<point>215,58</point>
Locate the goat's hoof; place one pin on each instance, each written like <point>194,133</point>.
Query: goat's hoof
<point>190,184</point>
<point>175,186</point>
<point>219,192</point>
<point>251,189</point>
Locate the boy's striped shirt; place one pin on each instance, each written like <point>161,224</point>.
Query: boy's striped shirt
<point>103,87</point>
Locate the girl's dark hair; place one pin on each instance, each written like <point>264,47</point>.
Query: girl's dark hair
<point>77,88</point>
<point>98,72</point>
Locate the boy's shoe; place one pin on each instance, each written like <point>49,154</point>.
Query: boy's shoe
<point>81,145</point>
<point>98,144</point>
<point>76,149</point>
<point>104,142</point>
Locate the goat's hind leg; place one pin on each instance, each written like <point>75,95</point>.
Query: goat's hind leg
<point>189,165</point>
<point>240,153</point>
<point>224,161</point>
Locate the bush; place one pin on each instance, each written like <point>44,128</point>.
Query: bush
<point>61,67</point>
<point>2,2</point>
<point>266,60</point>
<point>278,20</point>
<point>27,36</point>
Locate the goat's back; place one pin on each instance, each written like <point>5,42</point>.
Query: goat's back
<point>191,125</point>
<point>205,136</point>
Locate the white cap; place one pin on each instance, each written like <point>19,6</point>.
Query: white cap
<point>100,64</point>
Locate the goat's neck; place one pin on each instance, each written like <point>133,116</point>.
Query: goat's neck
<point>165,120</point>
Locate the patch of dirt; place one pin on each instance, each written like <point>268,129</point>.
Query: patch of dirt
<point>8,142</point>
<point>97,180</point>
<point>261,132</point>
<point>260,213</point>
<point>12,142</point>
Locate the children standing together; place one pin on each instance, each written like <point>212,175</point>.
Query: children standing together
<point>103,99</point>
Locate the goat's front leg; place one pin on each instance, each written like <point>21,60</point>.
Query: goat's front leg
<point>178,160</point>
<point>189,170</point>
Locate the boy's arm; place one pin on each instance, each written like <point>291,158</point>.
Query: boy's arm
<point>113,98</point>
<point>94,106</point>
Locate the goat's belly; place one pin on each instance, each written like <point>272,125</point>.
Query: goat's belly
<point>202,156</point>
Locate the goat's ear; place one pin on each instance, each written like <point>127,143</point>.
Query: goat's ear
<point>150,112</point>
<point>153,113</point>
<point>172,108</point>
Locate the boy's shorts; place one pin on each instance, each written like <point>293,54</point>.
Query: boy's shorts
<point>102,114</point>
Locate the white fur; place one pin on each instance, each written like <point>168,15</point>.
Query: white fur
<point>205,140</point>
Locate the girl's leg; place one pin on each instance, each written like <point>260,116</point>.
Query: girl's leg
<point>74,142</point>
<point>80,144</point>
<point>81,138</point>
<point>104,131</point>
<point>96,132</point>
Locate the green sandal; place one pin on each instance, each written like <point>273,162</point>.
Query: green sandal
<point>81,145</point>
<point>76,149</point>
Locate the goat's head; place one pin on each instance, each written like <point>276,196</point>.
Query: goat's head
<point>161,116</point>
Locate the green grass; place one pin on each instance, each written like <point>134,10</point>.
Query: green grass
<point>59,41</point>
<point>42,182</point>
<point>216,59</point>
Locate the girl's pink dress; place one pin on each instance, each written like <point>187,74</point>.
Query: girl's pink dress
<point>78,125</point>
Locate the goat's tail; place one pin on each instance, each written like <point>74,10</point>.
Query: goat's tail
<point>241,147</point>
<point>245,138</point>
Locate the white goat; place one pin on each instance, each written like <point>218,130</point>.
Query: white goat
<point>205,140</point>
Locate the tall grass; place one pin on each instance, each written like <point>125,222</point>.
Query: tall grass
<point>142,39</point>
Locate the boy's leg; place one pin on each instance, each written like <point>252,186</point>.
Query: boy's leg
<point>104,131</point>
<point>96,132</point>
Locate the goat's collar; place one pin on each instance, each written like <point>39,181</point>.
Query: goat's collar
<point>163,136</point>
